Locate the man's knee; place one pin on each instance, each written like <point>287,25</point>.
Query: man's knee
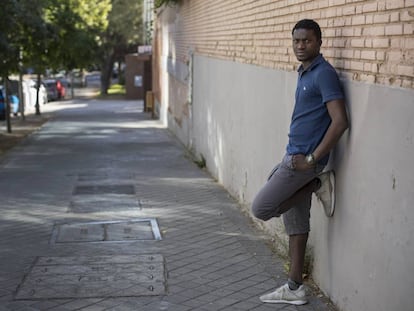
<point>259,212</point>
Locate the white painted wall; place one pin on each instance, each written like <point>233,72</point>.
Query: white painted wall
<point>364,255</point>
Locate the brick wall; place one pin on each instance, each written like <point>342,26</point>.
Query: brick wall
<point>371,41</point>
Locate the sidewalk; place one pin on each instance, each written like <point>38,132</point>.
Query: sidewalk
<point>102,209</point>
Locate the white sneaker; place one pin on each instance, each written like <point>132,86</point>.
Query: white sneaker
<point>285,295</point>
<point>326,193</point>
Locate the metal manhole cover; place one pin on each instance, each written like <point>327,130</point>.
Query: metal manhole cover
<point>89,277</point>
<point>107,231</point>
<point>104,189</point>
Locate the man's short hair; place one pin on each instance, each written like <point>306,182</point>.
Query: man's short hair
<point>310,25</point>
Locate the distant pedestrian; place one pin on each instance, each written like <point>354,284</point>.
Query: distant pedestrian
<point>319,119</point>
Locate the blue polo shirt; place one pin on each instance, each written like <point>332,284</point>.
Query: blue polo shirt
<point>316,86</point>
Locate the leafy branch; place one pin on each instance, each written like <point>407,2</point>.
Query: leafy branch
<point>160,3</point>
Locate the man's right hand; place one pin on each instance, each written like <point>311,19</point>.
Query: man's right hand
<point>299,162</point>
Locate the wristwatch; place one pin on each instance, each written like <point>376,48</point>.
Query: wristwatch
<point>310,159</point>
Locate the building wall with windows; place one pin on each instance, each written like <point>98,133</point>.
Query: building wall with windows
<point>224,83</point>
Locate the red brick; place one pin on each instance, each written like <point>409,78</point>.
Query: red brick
<point>380,42</point>
<point>407,15</point>
<point>396,29</point>
<point>405,70</point>
<point>408,29</point>
<point>370,55</point>
<point>395,17</point>
<point>370,7</point>
<point>380,55</point>
<point>373,31</point>
<point>358,20</point>
<point>358,43</point>
<point>357,65</point>
<point>394,4</point>
<point>349,10</point>
<point>382,18</point>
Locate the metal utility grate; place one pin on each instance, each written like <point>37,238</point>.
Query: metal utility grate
<point>107,231</point>
<point>97,276</point>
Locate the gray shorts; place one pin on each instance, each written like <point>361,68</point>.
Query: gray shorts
<point>283,183</point>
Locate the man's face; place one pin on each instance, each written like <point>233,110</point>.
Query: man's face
<point>306,45</point>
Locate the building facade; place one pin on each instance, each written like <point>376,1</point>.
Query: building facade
<point>224,78</point>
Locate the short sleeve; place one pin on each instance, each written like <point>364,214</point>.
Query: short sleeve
<point>329,85</point>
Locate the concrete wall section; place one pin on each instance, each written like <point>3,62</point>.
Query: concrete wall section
<point>241,117</point>
<point>364,255</point>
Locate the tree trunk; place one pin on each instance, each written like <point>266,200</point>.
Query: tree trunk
<point>22,103</point>
<point>37,95</point>
<point>106,74</point>
<point>119,73</point>
<point>72,87</point>
<point>7,103</point>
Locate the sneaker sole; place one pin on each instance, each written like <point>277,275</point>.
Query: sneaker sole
<point>332,209</point>
<point>291,302</point>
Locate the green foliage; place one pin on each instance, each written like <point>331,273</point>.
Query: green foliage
<point>9,49</point>
<point>201,163</point>
<point>159,3</point>
<point>37,34</point>
<point>125,22</point>
<point>52,34</point>
<point>68,34</point>
<point>78,24</point>
<point>117,89</point>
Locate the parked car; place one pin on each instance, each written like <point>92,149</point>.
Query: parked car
<point>14,104</point>
<point>56,89</point>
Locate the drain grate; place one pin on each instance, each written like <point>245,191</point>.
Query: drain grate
<point>107,231</point>
<point>104,189</point>
<point>89,277</point>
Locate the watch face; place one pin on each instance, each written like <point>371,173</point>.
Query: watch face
<point>310,159</point>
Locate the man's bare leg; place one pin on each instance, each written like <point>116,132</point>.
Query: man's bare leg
<point>297,249</point>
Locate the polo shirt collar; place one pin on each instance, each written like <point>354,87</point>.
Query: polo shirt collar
<point>316,62</point>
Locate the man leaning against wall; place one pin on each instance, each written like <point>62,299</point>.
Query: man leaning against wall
<point>319,119</point>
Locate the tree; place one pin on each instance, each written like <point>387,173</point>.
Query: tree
<point>68,34</point>
<point>37,37</point>
<point>78,24</point>
<point>9,51</point>
<point>123,34</point>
